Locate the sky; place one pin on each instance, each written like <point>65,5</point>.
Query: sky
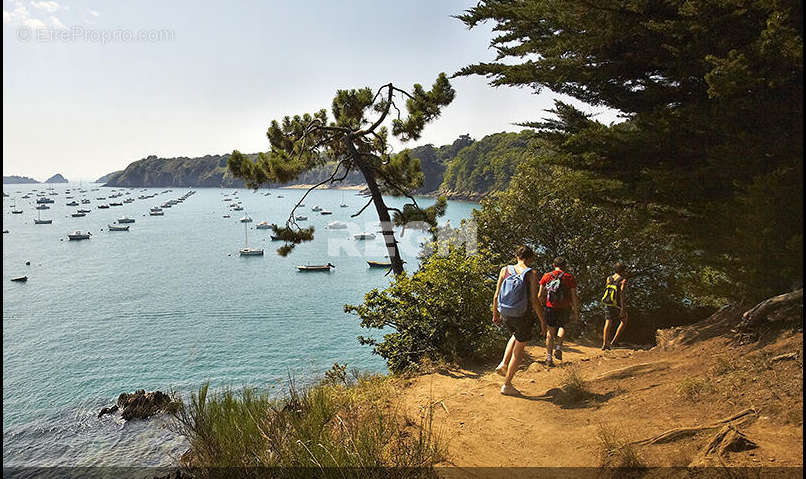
<point>91,86</point>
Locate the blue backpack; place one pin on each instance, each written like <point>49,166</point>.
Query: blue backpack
<point>513,298</point>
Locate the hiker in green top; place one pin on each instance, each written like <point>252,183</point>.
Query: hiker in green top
<point>615,299</point>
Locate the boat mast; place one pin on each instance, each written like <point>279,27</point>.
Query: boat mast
<point>245,242</point>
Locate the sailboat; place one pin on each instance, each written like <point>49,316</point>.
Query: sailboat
<point>343,204</point>
<point>39,220</point>
<point>246,250</point>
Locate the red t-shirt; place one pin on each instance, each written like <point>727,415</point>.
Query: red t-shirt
<point>567,280</point>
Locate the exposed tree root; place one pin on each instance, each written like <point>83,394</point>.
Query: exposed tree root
<point>682,432</point>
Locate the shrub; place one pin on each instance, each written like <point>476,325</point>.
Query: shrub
<point>325,430</point>
<point>441,313</point>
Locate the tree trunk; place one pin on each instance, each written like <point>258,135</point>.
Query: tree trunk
<point>383,213</point>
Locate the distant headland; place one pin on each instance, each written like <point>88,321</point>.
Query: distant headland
<point>18,180</point>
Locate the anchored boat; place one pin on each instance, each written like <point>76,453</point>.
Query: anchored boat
<point>318,267</point>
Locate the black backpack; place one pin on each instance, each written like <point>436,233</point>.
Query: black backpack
<point>556,291</point>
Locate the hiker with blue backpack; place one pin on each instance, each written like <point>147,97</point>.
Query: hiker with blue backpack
<point>515,292</point>
<point>558,290</point>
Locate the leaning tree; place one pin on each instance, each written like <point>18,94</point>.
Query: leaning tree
<point>357,138</point>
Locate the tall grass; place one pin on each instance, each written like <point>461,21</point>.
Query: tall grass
<point>616,452</point>
<point>335,428</point>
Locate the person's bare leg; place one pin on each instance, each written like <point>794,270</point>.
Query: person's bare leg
<point>515,361</point>
<point>606,333</point>
<point>618,331</point>
<point>502,367</point>
<point>560,334</point>
<point>550,335</point>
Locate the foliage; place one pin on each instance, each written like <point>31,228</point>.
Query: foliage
<point>488,164</point>
<point>712,95</point>
<point>336,429</point>
<point>355,137</point>
<point>441,313</point>
<point>549,208</point>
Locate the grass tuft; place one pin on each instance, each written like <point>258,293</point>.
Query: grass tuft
<point>616,452</point>
<point>339,423</point>
<point>691,388</point>
<point>573,386</point>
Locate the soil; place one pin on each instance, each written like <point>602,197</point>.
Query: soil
<point>696,376</point>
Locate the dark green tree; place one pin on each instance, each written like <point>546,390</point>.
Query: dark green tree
<point>711,92</point>
<point>358,139</point>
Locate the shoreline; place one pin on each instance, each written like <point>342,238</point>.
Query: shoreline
<point>303,186</point>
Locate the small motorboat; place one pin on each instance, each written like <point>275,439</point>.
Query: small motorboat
<point>379,264</point>
<point>227,216</point>
<point>318,267</point>
<point>42,207</point>
<point>156,213</point>
<point>238,208</point>
<point>301,204</point>
<point>83,211</point>
<point>5,231</point>
<point>316,208</point>
<point>16,212</point>
<point>38,221</point>
<point>245,219</point>
<point>78,235</point>
<point>251,252</point>
<point>364,236</point>
<point>20,279</point>
<point>118,228</point>
<point>280,196</point>
<point>103,207</point>
<point>125,219</point>
<point>85,202</point>
<point>263,225</point>
<point>325,212</point>
<point>156,208</point>
<point>336,225</point>
<point>72,203</point>
<point>301,218</point>
<point>78,214</point>
<point>115,204</point>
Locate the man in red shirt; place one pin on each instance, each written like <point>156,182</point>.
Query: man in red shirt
<point>558,291</point>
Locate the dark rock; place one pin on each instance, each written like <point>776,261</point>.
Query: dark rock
<point>108,410</point>
<point>142,404</point>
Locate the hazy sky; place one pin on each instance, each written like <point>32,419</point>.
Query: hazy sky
<point>84,96</point>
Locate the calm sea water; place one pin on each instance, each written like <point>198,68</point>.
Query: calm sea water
<point>169,305</point>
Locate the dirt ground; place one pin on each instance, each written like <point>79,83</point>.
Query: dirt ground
<point>697,376</point>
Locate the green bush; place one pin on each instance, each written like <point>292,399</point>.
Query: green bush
<point>327,430</point>
<point>440,313</point>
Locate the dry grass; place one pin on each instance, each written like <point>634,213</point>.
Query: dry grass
<point>342,422</point>
<point>691,388</point>
<point>615,451</point>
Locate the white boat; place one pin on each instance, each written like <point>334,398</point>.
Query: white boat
<point>73,203</point>
<point>364,236</point>
<point>78,235</point>
<point>317,267</point>
<point>42,207</point>
<point>156,208</point>
<point>78,214</point>
<point>343,204</point>
<point>44,200</point>
<point>245,219</point>
<point>118,228</point>
<point>156,213</point>
<point>325,212</point>
<point>39,221</point>
<point>227,216</point>
<point>125,219</point>
<point>83,211</point>
<point>246,250</point>
<point>301,218</point>
<point>16,212</point>
<point>316,208</point>
<point>337,225</point>
<point>263,225</point>
<point>238,208</point>
<point>103,207</point>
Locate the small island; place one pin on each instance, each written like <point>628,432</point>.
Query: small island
<point>18,180</point>
<point>57,178</point>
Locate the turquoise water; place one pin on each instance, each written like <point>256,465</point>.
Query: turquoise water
<point>169,305</point>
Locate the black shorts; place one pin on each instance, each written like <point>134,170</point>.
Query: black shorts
<point>613,314</point>
<point>520,326</point>
<point>556,318</point>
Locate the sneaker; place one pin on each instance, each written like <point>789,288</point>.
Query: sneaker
<point>558,353</point>
<point>501,370</point>
<point>509,390</point>
<point>549,362</point>
<point>606,347</point>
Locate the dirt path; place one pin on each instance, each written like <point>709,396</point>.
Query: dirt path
<point>633,394</point>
